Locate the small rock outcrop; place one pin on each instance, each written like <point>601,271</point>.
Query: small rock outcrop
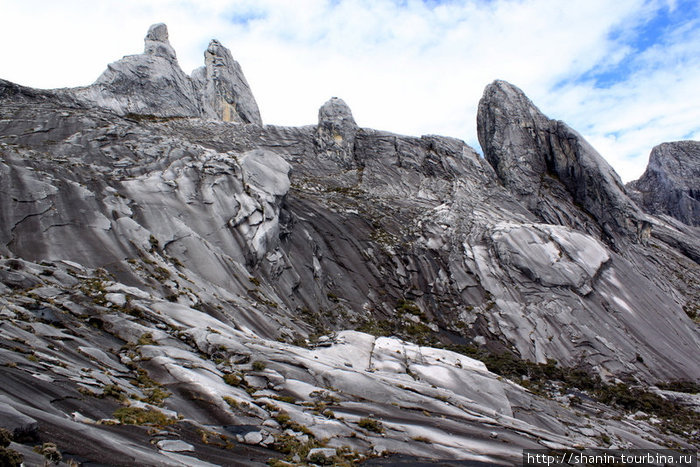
<point>157,43</point>
<point>671,183</point>
<point>538,158</point>
<point>152,83</point>
<point>335,132</point>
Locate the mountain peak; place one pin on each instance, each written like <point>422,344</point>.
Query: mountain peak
<point>226,94</point>
<point>158,33</point>
<point>152,83</point>
<point>537,158</point>
<point>336,112</point>
<point>671,183</point>
<point>336,130</point>
<point>239,270</point>
<point>157,43</point>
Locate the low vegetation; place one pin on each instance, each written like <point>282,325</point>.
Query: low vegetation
<point>141,416</point>
<point>371,424</point>
<point>50,452</point>
<point>8,457</point>
<point>550,379</point>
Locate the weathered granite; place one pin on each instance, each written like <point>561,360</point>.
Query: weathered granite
<point>233,263</point>
<point>671,183</point>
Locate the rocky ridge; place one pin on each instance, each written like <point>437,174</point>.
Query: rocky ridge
<point>671,184</point>
<point>269,287</point>
<point>153,83</point>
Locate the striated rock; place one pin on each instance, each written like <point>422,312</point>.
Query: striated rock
<point>538,158</point>
<point>14,421</point>
<point>671,183</point>
<point>223,272</point>
<point>551,255</point>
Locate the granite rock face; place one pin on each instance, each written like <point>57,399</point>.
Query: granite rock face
<point>536,157</point>
<point>225,92</point>
<point>153,83</point>
<point>335,132</point>
<point>671,183</point>
<point>262,287</point>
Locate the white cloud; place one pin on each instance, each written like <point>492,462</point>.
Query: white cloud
<point>401,65</point>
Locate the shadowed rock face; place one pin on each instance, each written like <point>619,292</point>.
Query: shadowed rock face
<point>537,158</point>
<point>244,268</point>
<point>671,183</point>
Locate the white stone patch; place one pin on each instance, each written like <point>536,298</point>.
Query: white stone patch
<point>549,254</point>
<point>117,299</point>
<point>174,445</point>
<point>267,171</point>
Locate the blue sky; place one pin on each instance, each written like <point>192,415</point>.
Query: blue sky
<point>665,26</point>
<point>625,74</point>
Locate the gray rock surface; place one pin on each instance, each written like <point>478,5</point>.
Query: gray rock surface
<point>671,183</point>
<point>174,445</point>
<point>538,158</point>
<point>225,92</point>
<point>321,454</point>
<point>335,132</point>
<point>290,282</point>
<point>14,421</point>
<point>153,84</point>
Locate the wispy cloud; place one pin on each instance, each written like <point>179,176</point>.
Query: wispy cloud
<point>623,73</point>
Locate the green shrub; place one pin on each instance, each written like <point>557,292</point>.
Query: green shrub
<point>10,457</point>
<point>50,452</point>
<point>233,403</point>
<point>156,396</point>
<point>690,387</point>
<point>139,416</point>
<point>232,380</point>
<point>5,438</point>
<point>146,339</point>
<point>408,306</point>
<point>371,424</point>
<point>421,439</point>
<point>114,391</point>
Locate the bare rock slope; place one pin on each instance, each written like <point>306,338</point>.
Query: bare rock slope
<point>182,285</point>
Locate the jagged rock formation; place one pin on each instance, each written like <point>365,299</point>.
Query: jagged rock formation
<point>671,183</point>
<point>535,156</point>
<point>335,132</point>
<point>154,240</point>
<point>225,91</point>
<point>153,84</point>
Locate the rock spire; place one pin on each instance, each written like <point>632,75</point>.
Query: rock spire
<point>153,83</point>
